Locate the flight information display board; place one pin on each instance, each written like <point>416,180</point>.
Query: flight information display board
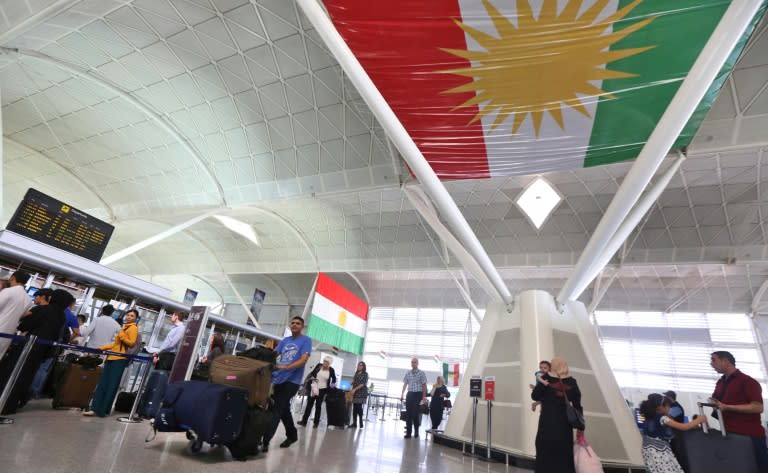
<point>55,223</point>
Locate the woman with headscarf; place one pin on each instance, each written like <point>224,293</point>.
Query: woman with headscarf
<point>45,321</point>
<point>359,393</point>
<point>439,395</point>
<point>554,439</point>
<point>109,382</point>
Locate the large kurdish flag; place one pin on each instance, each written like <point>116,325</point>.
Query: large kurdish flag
<point>504,87</point>
<point>339,318</point>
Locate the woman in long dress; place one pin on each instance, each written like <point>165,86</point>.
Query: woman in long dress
<point>359,394</point>
<point>554,439</point>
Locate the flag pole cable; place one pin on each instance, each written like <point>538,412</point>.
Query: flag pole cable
<point>402,141</point>
<point>718,48</point>
<point>629,223</point>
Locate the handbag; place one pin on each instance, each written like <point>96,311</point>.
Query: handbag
<point>575,418</point>
<point>424,408</point>
<point>585,459</point>
<point>165,361</point>
<point>315,391</point>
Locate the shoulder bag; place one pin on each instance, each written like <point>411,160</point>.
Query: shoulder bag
<point>575,418</point>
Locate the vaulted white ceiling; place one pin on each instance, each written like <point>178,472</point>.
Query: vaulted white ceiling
<point>148,113</point>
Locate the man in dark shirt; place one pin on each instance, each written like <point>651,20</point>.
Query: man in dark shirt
<point>676,411</point>
<point>740,401</point>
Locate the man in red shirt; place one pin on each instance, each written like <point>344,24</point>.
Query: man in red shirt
<point>739,398</point>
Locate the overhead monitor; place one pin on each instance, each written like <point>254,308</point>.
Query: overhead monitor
<point>62,226</point>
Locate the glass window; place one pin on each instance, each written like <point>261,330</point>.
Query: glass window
<point>664,361</point>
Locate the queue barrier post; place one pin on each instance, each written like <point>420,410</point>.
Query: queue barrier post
<point>15,375</point>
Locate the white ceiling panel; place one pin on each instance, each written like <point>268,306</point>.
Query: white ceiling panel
<point>244,110</point>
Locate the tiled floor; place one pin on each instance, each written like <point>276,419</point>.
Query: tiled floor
<point>44,440</point>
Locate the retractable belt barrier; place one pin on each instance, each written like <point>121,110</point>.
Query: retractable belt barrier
<point>69,346</point>
<point>32,340</point>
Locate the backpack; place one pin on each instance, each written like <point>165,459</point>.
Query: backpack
<point>136,348</point>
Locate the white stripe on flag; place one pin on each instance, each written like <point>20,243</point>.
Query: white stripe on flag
<point>537,151</point>
<point>329,311</point>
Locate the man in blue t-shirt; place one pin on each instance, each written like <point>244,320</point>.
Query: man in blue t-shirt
<point>293,353</point>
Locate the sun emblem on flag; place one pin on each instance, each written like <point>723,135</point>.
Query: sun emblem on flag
<point>342,318</point>
<point>544,62</point>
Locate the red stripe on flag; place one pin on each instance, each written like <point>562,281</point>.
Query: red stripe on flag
<point>399,43</point>
<point>330,289</point>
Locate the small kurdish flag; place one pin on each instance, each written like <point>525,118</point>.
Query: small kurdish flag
<point>339,318</point>
<point>512,87</point>
<point>451,374</point>
<point>437,358</point>
<point>382,354</point>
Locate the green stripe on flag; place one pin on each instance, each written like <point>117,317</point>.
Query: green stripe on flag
<point>678,38</point>
<point>326,332</point>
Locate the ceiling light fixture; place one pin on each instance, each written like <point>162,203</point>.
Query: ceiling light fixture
<point>241,228</point>
<point>538,201</point>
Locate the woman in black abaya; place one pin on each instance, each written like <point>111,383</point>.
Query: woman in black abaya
<point>554,439</point>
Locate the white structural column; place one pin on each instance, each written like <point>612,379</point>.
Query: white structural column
<point>629,224</point>
<point>417,199</point>
<point>709,63</point>
<point>509,347</point>
<point>402,141</point>
<point>2,156</point>
<point>154,239</point>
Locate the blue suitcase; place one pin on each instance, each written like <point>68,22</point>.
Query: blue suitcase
<point>212,412</point>
<point>153,393</point>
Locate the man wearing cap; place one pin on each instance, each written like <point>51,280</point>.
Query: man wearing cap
<point>676,411</point>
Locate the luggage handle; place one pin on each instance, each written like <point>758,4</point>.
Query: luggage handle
<point>719,417</point>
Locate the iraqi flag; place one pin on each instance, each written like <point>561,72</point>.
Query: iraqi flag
<point>512,87</point>
<point>339,318</point>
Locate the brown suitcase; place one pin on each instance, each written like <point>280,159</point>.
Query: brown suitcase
<point>253,375</point>
<point>76,386</point>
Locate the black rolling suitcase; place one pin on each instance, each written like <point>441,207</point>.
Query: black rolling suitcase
<point>209,412</point>
<point>335,407</point>
<point>699,451</point>
<point>153,393</point>
<point>256,423</point>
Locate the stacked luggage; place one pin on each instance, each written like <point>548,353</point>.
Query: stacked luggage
<point>232,410</point>
<point>247,373</point>
<point>208,412</point>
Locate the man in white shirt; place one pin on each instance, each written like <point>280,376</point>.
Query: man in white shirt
<point>102,330</point>
<point>14,302</point>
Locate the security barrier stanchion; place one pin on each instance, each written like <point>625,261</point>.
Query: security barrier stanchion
<point>474,427</point>
<point>15,375</point>
<point>132,417</point>
<point>475,391</point>
<point>487,457</point>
